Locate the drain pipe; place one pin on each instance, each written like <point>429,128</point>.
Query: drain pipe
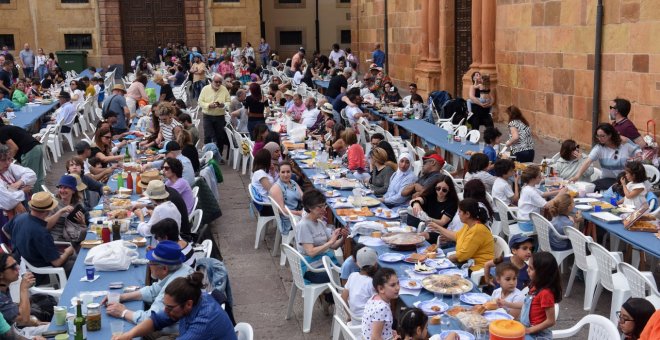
<point>387,44</point>
<point>597,68</point>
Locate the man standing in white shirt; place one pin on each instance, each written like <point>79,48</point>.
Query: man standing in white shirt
<point>158,194</point>
<point>311,113</point>
<point>336,53</point>
<point>67,115</point>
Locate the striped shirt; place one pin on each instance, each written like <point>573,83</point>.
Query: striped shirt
<point>168,130</point>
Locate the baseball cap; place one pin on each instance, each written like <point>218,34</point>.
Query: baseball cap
<point>435,157</point>
<point>366,257</point>
<point>517,239</point>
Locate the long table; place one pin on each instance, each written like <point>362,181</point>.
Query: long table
<point>30,115</point>
<point>647,242</point>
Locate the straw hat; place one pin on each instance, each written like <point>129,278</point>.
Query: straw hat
<point>119,87</point>
<point>327,108</point>
<point>80,186</point>
<point>42,201</point>
<point>147,177</point>
<point>289,93</point>
<point>156,190</point>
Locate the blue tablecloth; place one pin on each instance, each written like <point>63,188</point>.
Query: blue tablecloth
<point>29,115</point>
<point>436,136</point>
<point>322,83</point>
<point>641,240</point>
<point>135,275</point>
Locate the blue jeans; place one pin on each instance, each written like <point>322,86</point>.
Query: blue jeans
<point>264,61</point>
<point>42,71</point>
<point>197,88</point>
<point>29,72</point>
<point>525,156</point>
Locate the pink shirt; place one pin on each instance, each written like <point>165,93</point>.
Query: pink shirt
<point>356,159</point>
<point>226,68</point>
<point>136,91</point>
<point>296,111</point>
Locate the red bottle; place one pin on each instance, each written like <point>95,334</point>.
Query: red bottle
<point>105,234</point>
<point>129,181</point>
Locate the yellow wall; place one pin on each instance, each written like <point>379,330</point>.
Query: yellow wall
<point>233,17</point>
<point>43,24</point>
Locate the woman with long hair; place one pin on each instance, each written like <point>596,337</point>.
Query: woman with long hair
<point>188,149</point>
<point>382,170</point>
<point>62,227</point>
<point>436,205</point>
<point>256,104</point>
<point>103,148</point>
<point>520,140</point>
<point>570,160</point>
<point>136,92</point>
<point>287,193</point>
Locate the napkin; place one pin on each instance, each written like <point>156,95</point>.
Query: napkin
<point>413,292</point>
<point>84,278</point>
<point>339,204</point>
<point>371,241</point>
<point>416,276</point>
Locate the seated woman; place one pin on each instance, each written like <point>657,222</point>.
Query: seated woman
<point>381,171</point>
<point>314,239</point>
<point>476,189</point>
<point>62,227</point>
<point>173,172</point>
<point>474,240</point>
<point>188,149</point>
<point>531,199</point>
<point>286,192</point>
<point>570,160</point>
<point>103,148</point>
<point>633,317</point>
<point>478,167</point>
<point>275,157</point>
<point>168,229</point>
<point>261,180</point>
<point>260,132</point>
<point>399,180</point>
<point>335,142</point>
<point>31,310</point>
<point>436,206</point>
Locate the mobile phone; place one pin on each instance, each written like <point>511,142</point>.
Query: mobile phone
<point>74,212</point>
<point>52,334</point>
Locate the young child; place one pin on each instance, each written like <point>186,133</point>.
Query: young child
<point>492,138</point>
<point>521,249</point>
<point>418,107</point>
<point>359,287</point>
<point>504,170</point>
<point>508,295</point>
<point>538,308</point>
<point>377,318</point>
<point>531,199</point>
<point>413,325</point>
<point>634,185</point>
<point>349,266</point>
<point>560,209</point>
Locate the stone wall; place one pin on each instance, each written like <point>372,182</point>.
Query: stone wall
<point>545,62</point>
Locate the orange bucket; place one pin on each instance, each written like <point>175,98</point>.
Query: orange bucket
<point>506,330</point>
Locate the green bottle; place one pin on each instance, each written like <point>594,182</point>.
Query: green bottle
<point>127,156</point>
<point>79,322</point>
<point>120,180</point>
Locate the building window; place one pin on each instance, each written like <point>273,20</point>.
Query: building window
<point>345,37</point>
<point>291,37</point>
<point>5,1</point>
<point>75,1</point>
<point>344,1</point>
<point>221,1</point>
<point>7,40</point>
<point>227,38</point>
<point>78,41</point>
<point>286,2</point>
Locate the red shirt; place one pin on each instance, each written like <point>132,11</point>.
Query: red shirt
<point>544,299</point>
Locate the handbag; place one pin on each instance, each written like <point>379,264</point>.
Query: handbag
<point>112,256</point>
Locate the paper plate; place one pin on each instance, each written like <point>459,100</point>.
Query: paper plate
<point>391,257</point>
<point>493,315</point>
<point>475,298</point>
<point>357,219</point>
<point>583,207</point>
<point>433,307</point>
<point>411,284</point>
<point>439,263</point>
<point>594,195</point>
<point>463,335</point>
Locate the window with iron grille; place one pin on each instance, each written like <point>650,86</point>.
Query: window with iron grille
<point>75,1</point>
<point>345,36</point>
<point>78,41</point>
<point>291,37</point>
<point>227,38</point>
<point>7,40</point>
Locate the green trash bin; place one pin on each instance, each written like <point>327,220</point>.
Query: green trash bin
<point>72,60</point>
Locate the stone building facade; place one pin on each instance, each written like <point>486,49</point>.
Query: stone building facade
<point>539,53</point>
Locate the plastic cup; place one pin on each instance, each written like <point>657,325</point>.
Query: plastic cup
<point>598,208</point>
<point>482,145</point>
<point>117,327</point>
<point>60,315</point>
<point>90,273</point>
<point>455,299</point>
<point>71,326</point>
<point>113,298</point>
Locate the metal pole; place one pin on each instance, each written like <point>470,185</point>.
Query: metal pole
<point>318,29</point>
<point>597,68</point>
<point>387,45</point>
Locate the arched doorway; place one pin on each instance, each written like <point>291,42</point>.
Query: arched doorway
<point>463,42</point>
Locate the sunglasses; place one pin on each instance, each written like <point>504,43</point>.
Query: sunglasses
<point>443,189</point>
<point>166,167</point>
<point>107,136</point>
<point>616,155</point>
<point>612,107</point>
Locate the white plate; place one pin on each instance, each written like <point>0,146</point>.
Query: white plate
<point>335,193</point>
<point>320,176</point>
<point>583,207</point>
<point>426,272</point>
<point>493,315</point>
<point>439,263</point>
<point>358,219</point>
<point>405,283</point>
<point>594,195</point>
<point>391,257</point>
<point>475,298</point>
<point>585,200</point>
<point>426,306</point>
<point>301,156</point>
<point>463,335</point>
<point>452,271</point>
<point>393,214</point>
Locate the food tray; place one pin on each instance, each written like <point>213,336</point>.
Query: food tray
<point>447,284</point>
<point>606,217</point>
<point>403,240</point>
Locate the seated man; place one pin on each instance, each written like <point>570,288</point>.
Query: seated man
<point>166,264</point>
<point>31,239</point>
<point>433,164</point>
<point>311,113</point>
<point>15,185</point>
<point>67,115</point>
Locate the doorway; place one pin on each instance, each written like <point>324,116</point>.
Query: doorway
<point>463,39</point>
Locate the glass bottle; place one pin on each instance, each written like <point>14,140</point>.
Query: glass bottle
<point>120,180</point>
<point>127,156</point>
<point>116,231</point>
<point>138,188</point>
<point>79,322</point>
<point>129,181</point>
<point>93,317</point>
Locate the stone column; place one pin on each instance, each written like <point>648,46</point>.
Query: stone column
<point>483,44</point>
<point>110,33</point>
<point>476,33</point>
<point>427,72</point>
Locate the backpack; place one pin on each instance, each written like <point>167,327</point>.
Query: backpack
<point>457,106</point>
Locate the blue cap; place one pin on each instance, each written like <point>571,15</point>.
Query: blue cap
<point>517,239</point>
<point>69,182</point>
<point>167,253</point>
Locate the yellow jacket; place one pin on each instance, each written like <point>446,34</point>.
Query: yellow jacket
<point>209,96</point>
<point>475,243</point>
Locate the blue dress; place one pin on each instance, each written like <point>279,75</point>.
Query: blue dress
<point>292,200</point>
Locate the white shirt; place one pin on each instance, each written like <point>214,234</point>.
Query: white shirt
<point>9,197</point>
<point>502,190</point>
<point>351,112</point>
<point>485,178</point>
<point>309,117</point>
<point>161,212</point>
<point>530,201</point>
<point>515,296</point>
<point>297,77</point>
<point>639,200</point>
<point>67,114</point>
<point>81,98</point>
<point>360,290</point>
<point>336,55</point>
<point>256,183</point>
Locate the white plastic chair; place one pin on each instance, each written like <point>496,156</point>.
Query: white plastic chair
<point>195,220</point>
<point>417,167</point>
<point>473,136</point>
<point>195,191</point>
<point>277,210</point>
<point>609,278</point>
<point>501,249</point>
<point>406,101</point>
<point>333,272</point>
<point>448,126</point>
<point>45,188</point>
<point>52,272</point>
<point>652,173</point>
<point>420,152</point>
<point>599,329</point>
<point>262,221</point>
<point>544,230</point>
<point>343,316</point>
<point>587,264</point>
<point>235,150</point>
<point>244,331</point>
<point>205,158</point>
<point>503,211</point>
<point>206,247</point>
<point>598,173</point>
<point>461,131</point>
<point>310,292</point>
<point>642,284</point>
